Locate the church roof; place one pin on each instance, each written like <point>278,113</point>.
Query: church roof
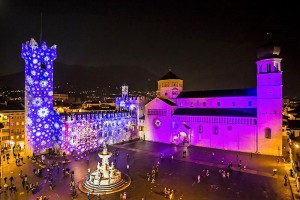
<point>219,93</point>
<point>170,75</point>
<point>168,101</point>
<point>232,112</point>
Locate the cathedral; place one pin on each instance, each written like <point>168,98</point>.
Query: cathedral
<point>245,120</point>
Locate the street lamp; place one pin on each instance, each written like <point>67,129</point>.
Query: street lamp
<point>1,127</point>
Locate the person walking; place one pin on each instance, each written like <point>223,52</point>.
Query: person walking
<point>51,185</point>
<point>171,195</point>
<point>23,183</point>
<point>27,188</point>
<point>124,195</point>
<point>165,192</point>
<point>198,179</point>
<point>274,171</point>
<point>285,180</point>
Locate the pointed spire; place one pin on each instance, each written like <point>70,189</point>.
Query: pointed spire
<point>170,68</point>
<point>41,28</point>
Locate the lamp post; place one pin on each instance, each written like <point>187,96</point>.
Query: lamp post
<point>1,172</point>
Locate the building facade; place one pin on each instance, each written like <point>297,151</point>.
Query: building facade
<point>246,120</point>
<point>13,131</point>
<point>69,132</point>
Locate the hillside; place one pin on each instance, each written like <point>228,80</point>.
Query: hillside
<point>77,78</point>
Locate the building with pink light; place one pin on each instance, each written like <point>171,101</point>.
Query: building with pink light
<point>246,120</point>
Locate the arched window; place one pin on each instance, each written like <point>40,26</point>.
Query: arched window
<point>174,91</point>
<point>268,133</point>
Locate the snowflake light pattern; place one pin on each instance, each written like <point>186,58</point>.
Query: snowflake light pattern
<point>40,115</point>
<point>43,112</point>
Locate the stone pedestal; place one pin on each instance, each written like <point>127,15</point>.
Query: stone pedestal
<point>106,178</point>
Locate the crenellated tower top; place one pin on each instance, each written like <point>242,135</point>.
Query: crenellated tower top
<point>38,54</point>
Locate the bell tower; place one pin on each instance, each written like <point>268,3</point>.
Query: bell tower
<point>269,100</point>
<point>42,123</point>
<point>169,86</point>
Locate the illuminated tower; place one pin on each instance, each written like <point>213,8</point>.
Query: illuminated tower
<point>42,122</point>
<point>124,91</point>
<point>269,100</point>
<point>169,86</point>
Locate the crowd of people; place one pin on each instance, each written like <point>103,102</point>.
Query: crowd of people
<point>44,172</point>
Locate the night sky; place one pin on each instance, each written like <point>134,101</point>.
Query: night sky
<point>209,44</point>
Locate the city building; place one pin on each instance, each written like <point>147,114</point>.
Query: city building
<point>67,131</point>
<point>136,105</point>
<point>246,120</point>
<point>60,97</point>
<point>12,133</point>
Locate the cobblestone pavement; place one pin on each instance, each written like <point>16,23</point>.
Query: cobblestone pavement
<point>256,181</point>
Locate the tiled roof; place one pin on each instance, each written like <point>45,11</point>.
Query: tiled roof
<point>170,75</point>
<point>219,93</point>
<point>233,112</point>
<point>169,102</point>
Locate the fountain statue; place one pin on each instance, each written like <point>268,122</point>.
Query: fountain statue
<point>106,178</point>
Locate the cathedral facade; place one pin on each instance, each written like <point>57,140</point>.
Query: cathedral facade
<point>245,120</point>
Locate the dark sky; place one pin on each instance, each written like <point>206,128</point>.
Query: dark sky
<point>209,44</point>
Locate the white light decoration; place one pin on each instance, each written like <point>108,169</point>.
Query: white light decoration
<point>44,83</point>
<point>43,112</point>
<point>37,102</point>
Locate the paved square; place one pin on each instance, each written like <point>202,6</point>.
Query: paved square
<point>256,181</point>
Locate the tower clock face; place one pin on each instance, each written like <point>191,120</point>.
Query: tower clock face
<point>157,123</point>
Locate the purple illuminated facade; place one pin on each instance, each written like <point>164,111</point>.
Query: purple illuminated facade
<point>247,120</point>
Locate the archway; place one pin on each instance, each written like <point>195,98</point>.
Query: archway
<point>183,138</point>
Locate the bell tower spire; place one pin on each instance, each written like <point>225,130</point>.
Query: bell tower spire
<point>269,99</point>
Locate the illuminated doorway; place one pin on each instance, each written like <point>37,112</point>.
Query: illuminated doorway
<point>183,138</point>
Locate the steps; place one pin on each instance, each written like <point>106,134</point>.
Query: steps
<point>86,186</point>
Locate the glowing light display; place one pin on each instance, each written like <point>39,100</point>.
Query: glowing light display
<point>67,132</point>
<point>43,124</point>
<point>86,131</point>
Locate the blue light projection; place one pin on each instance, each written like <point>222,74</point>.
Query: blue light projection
<point>43,124</point>
<point>86,131</point>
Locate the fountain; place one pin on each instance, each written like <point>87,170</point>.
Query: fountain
<point>106,178</point>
